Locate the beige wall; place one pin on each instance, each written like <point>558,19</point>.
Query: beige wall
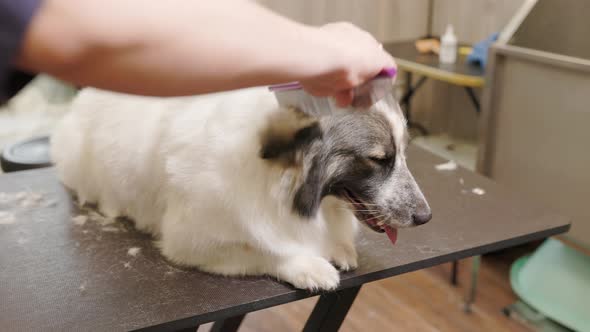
<point>473,20</point>
<point>388,20</point>
<point>445,108</point>
<point>442,108</point>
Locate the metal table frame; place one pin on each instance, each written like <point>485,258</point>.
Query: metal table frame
<point>410,89</point>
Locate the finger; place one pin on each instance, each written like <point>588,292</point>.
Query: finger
<point>389,60</point>
<point>318,91</point>
<point>344,98</point>
<point>322,88</point>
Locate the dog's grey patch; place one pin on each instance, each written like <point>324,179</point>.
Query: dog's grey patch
<point>344,158</point>
<point>308,197</point>
<point>361,153</point>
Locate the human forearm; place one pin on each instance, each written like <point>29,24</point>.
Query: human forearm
<point>188,47</point>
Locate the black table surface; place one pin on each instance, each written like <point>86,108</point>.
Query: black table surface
<point>406,50</point>
<point>57,275</point>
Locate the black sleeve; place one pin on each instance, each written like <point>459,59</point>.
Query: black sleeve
<point>15,16</point>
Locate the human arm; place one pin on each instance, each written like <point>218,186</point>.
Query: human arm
<point>181,47</point>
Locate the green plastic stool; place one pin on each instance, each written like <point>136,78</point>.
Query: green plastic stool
<point>555,281</point>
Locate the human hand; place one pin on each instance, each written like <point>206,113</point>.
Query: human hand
<point>353,56</point>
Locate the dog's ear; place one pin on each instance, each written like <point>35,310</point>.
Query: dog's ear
<point>289,137</point>
<point>283,148</point>
<point>309,195</point>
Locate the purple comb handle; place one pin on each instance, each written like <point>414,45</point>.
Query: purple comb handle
<point>388,72</point>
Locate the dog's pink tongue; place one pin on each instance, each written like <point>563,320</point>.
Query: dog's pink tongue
<point>391,233</point>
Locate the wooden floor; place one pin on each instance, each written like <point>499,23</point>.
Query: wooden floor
<point>417,301</point>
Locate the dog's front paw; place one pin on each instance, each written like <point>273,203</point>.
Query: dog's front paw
<point>309,272</point>
<point>344,256</point>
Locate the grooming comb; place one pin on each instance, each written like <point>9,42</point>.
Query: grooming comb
<point>364,96</point>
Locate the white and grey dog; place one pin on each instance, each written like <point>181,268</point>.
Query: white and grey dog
<point>235,185</point>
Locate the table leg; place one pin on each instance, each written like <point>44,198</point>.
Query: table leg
<point>454,272</point>
<point>473,98</point>
<point>330,310</point>
<point>407,97</point>
<point>475,264</point>
<point>406,101</point>
<point>231,324</point>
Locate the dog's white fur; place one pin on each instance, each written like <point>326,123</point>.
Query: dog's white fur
<point>187,171</point>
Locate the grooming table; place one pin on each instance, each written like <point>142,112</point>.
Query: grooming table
<point>57,274</point>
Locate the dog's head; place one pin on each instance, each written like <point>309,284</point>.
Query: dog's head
<point>358,157</point>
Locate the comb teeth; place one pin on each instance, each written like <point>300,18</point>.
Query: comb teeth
<point>314,106</point>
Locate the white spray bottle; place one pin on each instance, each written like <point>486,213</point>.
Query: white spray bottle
<point>448,46</point>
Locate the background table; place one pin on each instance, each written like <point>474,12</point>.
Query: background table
<point>460,73</point>
<point>57,275</point>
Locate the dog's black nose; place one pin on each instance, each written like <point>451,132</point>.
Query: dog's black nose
<point>421,218</point>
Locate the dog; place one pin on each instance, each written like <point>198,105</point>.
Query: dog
<point>234,184</point>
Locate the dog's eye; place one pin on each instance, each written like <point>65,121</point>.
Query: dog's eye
<point>380,160</point>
